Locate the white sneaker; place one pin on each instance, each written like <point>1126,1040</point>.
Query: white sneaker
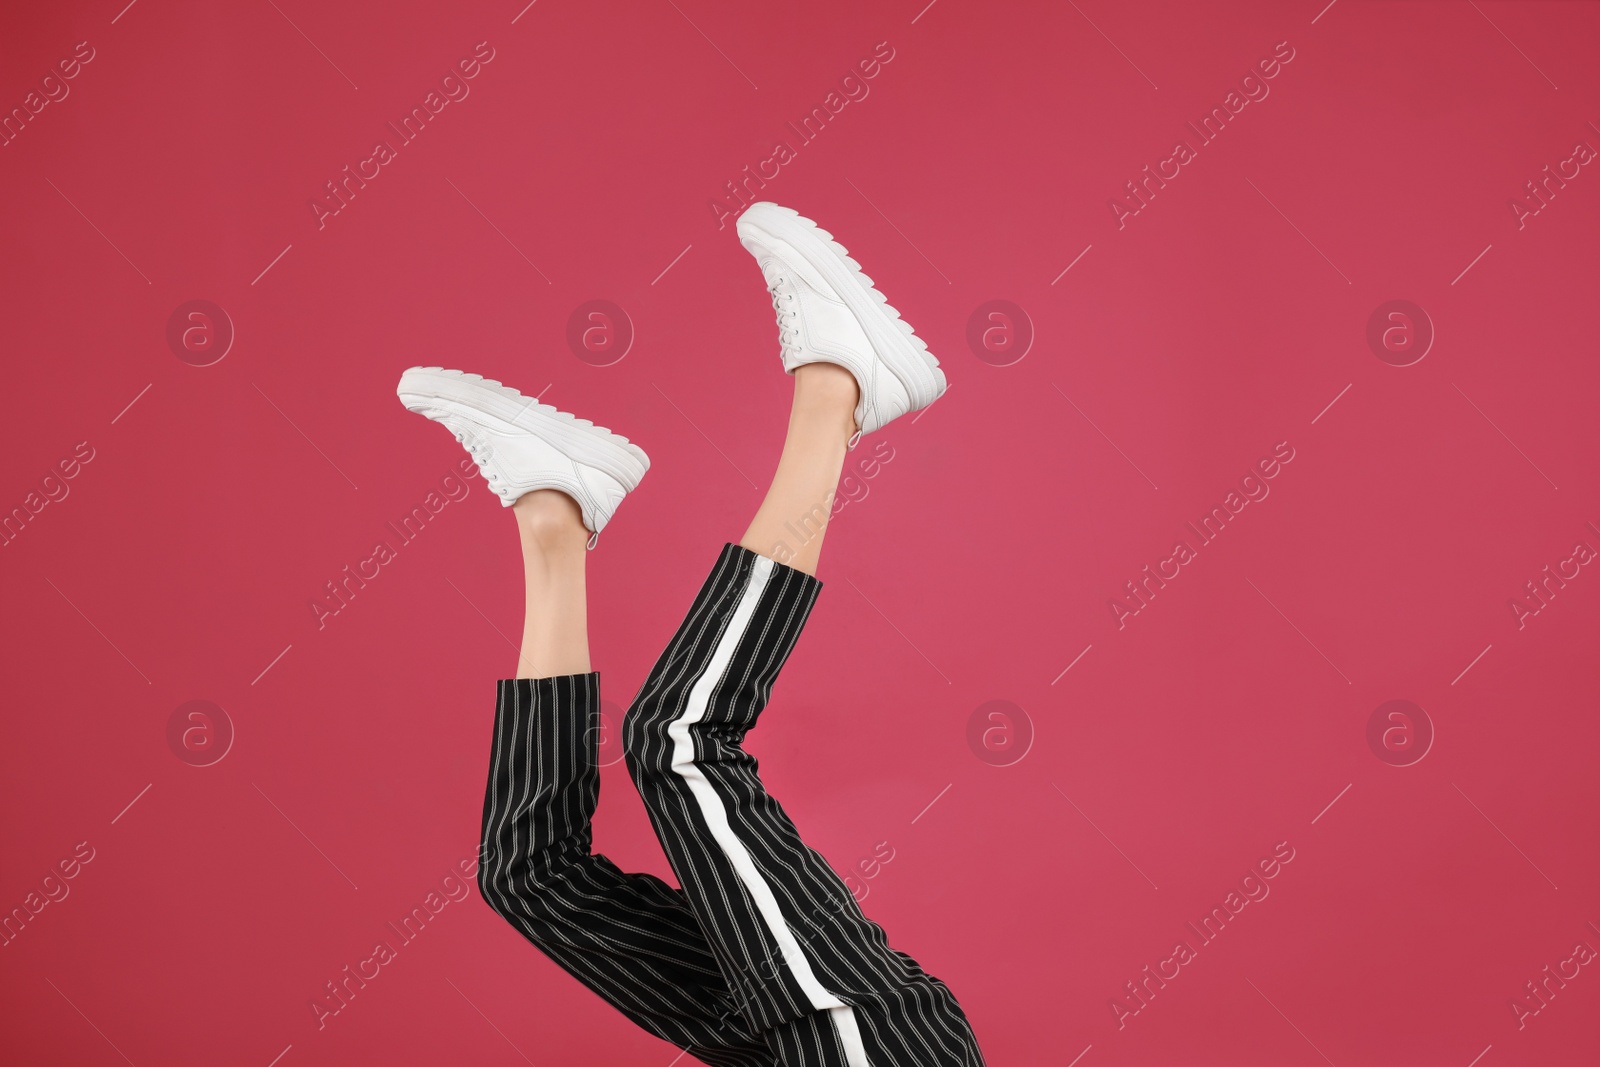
<point>520,444</point>
<point>829,312</point>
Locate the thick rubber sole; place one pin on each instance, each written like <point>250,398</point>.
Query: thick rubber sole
<point>504,407</point>
<point>904,353</point>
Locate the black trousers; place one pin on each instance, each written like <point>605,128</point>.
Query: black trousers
<point>763,957</point>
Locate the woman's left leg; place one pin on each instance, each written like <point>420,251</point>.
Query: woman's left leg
<point>814,976</point>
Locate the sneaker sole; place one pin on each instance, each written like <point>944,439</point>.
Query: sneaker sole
<point>894,342</point>
<point>578,439</point>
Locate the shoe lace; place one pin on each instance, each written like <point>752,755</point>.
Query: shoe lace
<point>786,306</point>
<point>479,450</point>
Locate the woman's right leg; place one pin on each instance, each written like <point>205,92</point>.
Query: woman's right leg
<point>630,938</point>
<point>555,615</point>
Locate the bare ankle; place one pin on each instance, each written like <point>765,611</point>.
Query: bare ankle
<point>826,392</point>
<point>551,520</point>
<point>827,382</point>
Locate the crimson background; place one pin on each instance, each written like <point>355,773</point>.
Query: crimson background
<point>1222,319</point>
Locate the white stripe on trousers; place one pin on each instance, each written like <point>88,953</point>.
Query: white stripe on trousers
<point>716,817</point>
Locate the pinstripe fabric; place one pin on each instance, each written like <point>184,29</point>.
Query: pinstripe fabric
<point>629,937</point>
<point>791,973</point>
<point>821,971</point>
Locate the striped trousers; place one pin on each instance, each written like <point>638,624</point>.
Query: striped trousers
<point>763,956</point>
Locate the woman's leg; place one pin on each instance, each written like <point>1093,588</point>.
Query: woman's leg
<point>555,619</point>
<point>812,975</point>
<point>789,525</point>
<point>629,937</point>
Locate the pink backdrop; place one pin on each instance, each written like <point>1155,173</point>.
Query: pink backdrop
<point>1044,851</point>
